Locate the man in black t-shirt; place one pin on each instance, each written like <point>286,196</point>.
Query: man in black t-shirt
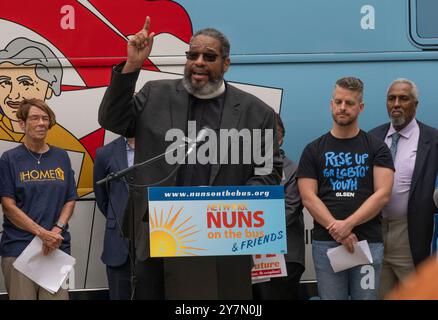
<point>345,178</point>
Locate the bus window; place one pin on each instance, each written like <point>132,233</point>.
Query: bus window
<point>423,23</point>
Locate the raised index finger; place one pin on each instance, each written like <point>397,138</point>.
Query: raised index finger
<point>147,23</point>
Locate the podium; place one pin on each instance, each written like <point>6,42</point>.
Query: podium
<point>210,257</point>
<point>206,237</point>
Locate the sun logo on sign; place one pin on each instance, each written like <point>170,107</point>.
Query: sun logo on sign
<point>169,239</point>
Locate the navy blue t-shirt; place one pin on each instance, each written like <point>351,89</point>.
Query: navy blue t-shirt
<point>39,190</point>
<point>344,170</point>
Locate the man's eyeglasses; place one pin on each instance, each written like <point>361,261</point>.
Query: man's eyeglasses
<point>207,56</point>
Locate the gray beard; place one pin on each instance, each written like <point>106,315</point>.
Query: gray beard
<point>209,88</point>
<point>397,122</point>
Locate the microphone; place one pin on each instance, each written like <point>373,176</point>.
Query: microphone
<point>200,137</point>
<point>192,145</point>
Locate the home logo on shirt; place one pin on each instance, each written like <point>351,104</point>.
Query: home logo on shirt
<point>59,174</point>
<point>42,175</point>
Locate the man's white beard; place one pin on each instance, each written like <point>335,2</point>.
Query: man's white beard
<point>207,90</point>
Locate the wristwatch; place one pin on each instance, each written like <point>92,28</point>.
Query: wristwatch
<point>61,226</point>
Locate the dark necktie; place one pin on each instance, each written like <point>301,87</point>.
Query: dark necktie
<point>395,137</point>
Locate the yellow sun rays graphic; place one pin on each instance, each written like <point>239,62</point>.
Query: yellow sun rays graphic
<point>169,239</point>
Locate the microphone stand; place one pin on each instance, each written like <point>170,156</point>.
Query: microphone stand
<point>200,138</point>
<point>122,173</point>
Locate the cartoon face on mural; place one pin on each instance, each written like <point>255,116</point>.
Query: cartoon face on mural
<point>16,84</point>
<point>28,69</point>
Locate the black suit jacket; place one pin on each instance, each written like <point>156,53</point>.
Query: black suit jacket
<point>112,158</point>
<point>420,207</point>
<point>294,213</point>
<point>162,105</point>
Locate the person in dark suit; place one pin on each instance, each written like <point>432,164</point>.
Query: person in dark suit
<point>202,96</point>
<point>287,288</point>
<point>407,224</point>
<point>113,157</point>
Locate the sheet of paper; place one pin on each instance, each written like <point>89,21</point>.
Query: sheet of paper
<point>47,271</point>
<point>341,259</point>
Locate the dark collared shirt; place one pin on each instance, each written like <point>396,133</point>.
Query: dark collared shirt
<point>206,113</point>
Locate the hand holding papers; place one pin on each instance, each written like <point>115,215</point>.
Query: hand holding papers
<point>341,259</point>
<point>48,271</point>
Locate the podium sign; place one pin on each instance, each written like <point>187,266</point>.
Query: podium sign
<point>215,221</point>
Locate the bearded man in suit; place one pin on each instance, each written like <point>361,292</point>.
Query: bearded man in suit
<point>407,224</point>
<point>204,97</point>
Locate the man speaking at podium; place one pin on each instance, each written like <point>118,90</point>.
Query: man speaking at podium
<point>202,96</point>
